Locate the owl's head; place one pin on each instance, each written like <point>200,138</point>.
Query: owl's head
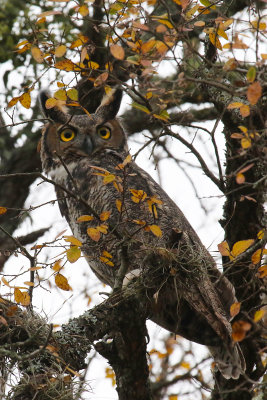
<point>69,137</point>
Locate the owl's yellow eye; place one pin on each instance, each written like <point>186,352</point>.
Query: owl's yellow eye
<point>67,135</point>
<point>104,132</point>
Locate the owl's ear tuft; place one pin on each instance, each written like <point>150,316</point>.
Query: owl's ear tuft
<point>55,113</point>
<point>110,105</point>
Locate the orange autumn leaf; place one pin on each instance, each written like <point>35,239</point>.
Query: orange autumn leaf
<point>244,110</point>
<point>3,210</point>
<point>234,309</point>
<point>239,330</point>
<point>224,249</point>
<point>37,54</point>
<point>13,102</point>
<point>60,50</point>
<point>117,51</point>
<point>257,256</point>
<point>94,234</point>
<point>254,92</point>
<point>240,178</point>
<point>62,282</point>
<point>262,271</point>
<point>65,65</point>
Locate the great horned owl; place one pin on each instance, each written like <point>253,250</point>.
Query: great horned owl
<point>128,225</point>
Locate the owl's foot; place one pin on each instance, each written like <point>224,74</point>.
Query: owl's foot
<point>135,273</point>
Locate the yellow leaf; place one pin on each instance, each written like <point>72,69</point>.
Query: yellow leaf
<point>264,56</point>
<point>215,40</point>
<point>62,282</point>
<point>60,50</point>
<point>50,103</point>
<point>245,143</point>
<point>60,94</point>
<point>173,397</point>
<point>57,267</point>
<point>254,92</point>
<point>162,47</point>
<point>103,229</point>
<point>261,26</point>
<point>109,178</point>
<point>106,254</point>
<point>28,283</point>
<point>93,65</point>
<point>257,256</point>
<point>185,365</point>
<point>140,107</point>
<point>224,249</point>
<point>104,215</point>
<point>236,104</point>
<point>25,100</point>
<point>106,261</point>
<point>118,205</point>
<point>138,195</point>
<point>37,54</point>
<point>73,254</point>
<point>94,234</point>
<point>13,101</point>
<point>25,301</point>
<point>259,315</point>
<point>234,309</point>
<point>126,161</point>
<point>241,246</point>
<point>244,129</point>
<point>5,282</point>
<point>117,51</point>
<point>139,221</point>
<point>191,12</point>
<point>18,296</point>
<point>260,234</point>
<point>73,240</point>
<point>244,110</point>
<point>155,229</point>
<point>3,210</point>
<point>148,46</point>
<point>240,178</point>
<point>85,218</point>
<point>65,65</point>
<point>222,34</point>
<point>83,10</point>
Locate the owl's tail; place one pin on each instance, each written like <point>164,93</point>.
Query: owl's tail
<point>230,360</point>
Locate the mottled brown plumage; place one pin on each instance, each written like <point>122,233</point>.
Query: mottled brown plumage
<point>135,223</point>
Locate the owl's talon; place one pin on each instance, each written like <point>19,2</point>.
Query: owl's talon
<point>135,273</point>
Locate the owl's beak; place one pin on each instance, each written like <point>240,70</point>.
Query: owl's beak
<point>87,145</point>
